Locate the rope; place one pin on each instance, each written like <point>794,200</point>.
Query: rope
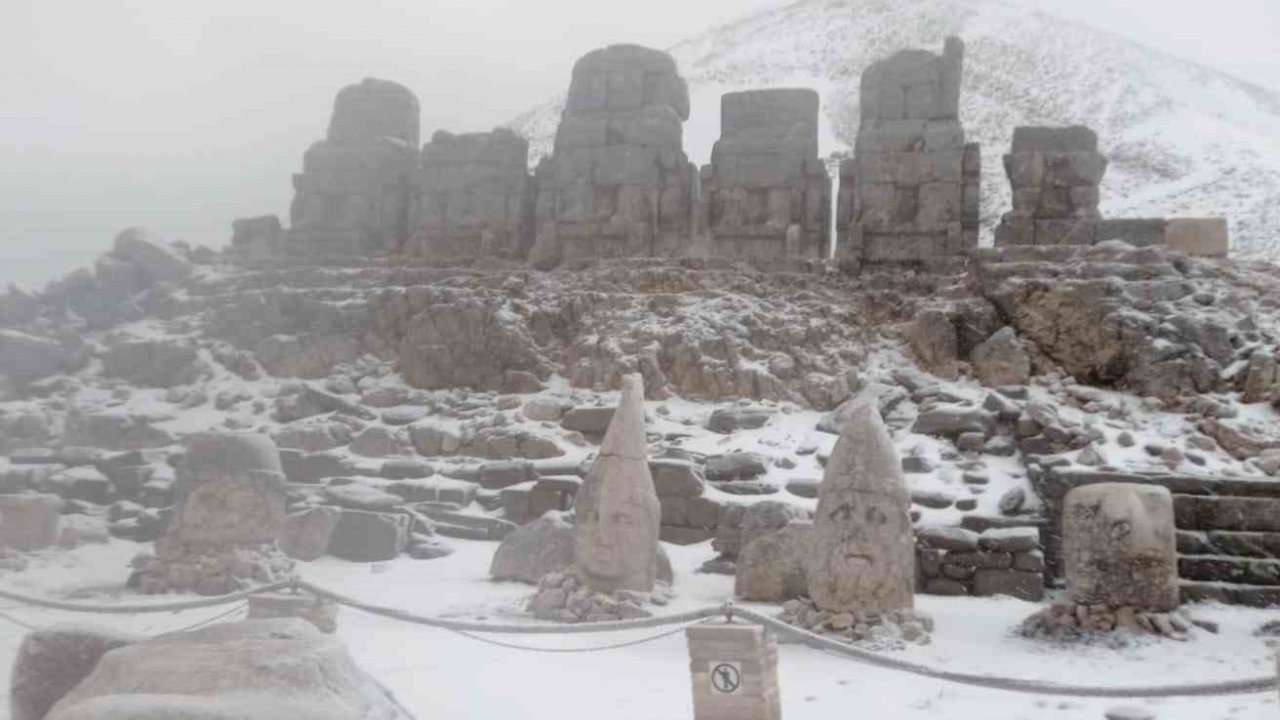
<point>598,648</point>
<point>142,609</point>
<point>216,618</point>
<point>522,629</point>
<point>1038,687</point>
<point>15,621</point>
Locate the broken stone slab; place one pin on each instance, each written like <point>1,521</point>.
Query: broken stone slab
<point>951,420</point>
<point>730,419</point>
<point>735,466</point>
<point>363,536</point>
<point>51,661</point>
<point>1014,540</point>
<point>948,538</point>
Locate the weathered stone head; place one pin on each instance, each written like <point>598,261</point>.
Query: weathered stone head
<point>863,547</point>
<point>373,109</point>
<point>230,490</point>
<point>616,541</point>
<point>1120,546</point>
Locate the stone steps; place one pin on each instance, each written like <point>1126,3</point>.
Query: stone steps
<point>1231,513</point>
<point>1226,542</point>
<point>1228,569</point>
<point>1230,593</point>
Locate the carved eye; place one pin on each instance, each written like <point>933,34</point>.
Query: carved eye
<point>876,516</point>
<point>1120,529</point>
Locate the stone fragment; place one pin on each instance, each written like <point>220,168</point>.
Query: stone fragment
<point>735,466</point>
<point>363,536</point>
<point>945,537</point>
<point>1000,360</point>
<point>305,535</point>
<point>730,419</point>
<point>29,522</point>
<point>864,553</point>
<point>53,660</point>
<point>218,672</point>
<point>772,567</point>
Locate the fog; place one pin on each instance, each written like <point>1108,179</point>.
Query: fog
<point>184,115</point>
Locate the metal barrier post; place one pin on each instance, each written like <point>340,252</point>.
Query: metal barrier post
<point>735,672</point>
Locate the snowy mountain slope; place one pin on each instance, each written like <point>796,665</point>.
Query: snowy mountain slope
<point>1183,139</point>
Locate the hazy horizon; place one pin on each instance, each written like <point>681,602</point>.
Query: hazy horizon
<point>182,116</point>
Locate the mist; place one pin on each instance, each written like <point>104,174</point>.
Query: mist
<point>183,116</point>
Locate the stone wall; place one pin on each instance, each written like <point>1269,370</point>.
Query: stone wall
<point>997,561</point>
<point>477,197</point>
<point>1055,174</point>
<point>358,188</point>
<point>617,182</point>
<point>911,191</point>
<point>766,193</point>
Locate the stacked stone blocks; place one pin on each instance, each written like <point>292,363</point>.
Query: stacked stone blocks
<point>766,193</point>
<point>911,191</point>
<point>358,188</point>
<point>1055,174</point>
<point>735,672</point>
<point>618,182</point>
<point>477,197</point>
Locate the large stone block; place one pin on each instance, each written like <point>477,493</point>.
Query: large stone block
<point>29,522</point>
<point>1075,138</point>
<point>1119,546</point>
<point>51,661</point>
<point>1202,237</point>
<point>363,536</point>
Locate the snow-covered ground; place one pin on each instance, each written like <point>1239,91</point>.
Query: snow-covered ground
<point>438,674</point>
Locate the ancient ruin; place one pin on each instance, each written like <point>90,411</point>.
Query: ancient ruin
<point>477,197</point>
<point>359,187</point>
<point>1055,174</point>
<point>911,191</point>
<point>617,182</point>
<point>230,508</point>
<point>766,193</point>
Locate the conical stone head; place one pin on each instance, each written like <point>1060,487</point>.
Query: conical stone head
<point>864,549</point>
<point>616,541</point>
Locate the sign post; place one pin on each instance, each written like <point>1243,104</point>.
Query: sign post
<point>735,672</point>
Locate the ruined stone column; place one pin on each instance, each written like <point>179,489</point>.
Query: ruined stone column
<point>618,514</point>
<point>910,193</point>
<point>766,193</point>
<point>617,182</point>
<point>863,547</point>
<point>358,189</point>
<point>477,197</point>
<point>1055,174</point>
<point>229,510</point>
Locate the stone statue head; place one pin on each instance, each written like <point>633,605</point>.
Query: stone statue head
<point>1119,545</point>
<point>616,541</point>
<point>231,490</point>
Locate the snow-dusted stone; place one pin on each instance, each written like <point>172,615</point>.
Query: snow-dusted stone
<point>863,552</point>
<point>1001,360</point>
<point>676,478</point>
<point>29,522</point>
<point>952,420</point>
<point>26,357</point>
<point>358,496</point>
<point>946,537</point>
<point>618,512</point>
<point>219,673</point>
<point>53,660</point>
<point>153,363</point>
<point>729,419</point>
<point>362,536</point>
<point>735,466</point>
<point>773,568</point>
<point>115,431</point>
<point>157,261</point>
<point>588,420</point>
<point>1010,540</point>
<point>533,550</point>
<point>934,340</point>
<point>80,530</point>
<point>305,535</point>
<point>229,512</point>
<point>1119,546</point>
<point>541,409</point>
<point>378,441</point>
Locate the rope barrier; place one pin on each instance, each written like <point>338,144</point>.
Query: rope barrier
<point>727,611</point>
<point>1037,687</point>
<point>143,609</point>
<point>526,629</point>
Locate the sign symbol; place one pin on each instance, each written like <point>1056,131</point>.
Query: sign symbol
<point>726,678</point>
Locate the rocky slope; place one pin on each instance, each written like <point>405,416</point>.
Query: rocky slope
<point>467,402</point>
<point>1182,139</point>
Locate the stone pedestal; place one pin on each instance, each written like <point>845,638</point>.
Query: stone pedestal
<point>317,611</point>
<point>1055,174</point>
<point>735,672</point>
<point>1203,237</point>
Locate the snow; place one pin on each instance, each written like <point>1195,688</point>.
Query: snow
<point>436,673</point>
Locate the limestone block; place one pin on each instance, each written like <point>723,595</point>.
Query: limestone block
<point>1075,138</point>
<point>1201,237</point>
<point>1119,546</point>
<point>29,522</point>
<point>51,661</point>
<point>774,567</point>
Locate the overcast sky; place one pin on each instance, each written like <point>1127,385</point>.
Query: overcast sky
<point>183,115</point>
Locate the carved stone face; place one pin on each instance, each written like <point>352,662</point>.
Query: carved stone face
<point>1119,546</point>
<point>616,540</point>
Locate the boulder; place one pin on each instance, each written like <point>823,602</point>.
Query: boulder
<point>153,363</point>
<point>24,357</point>
<point>157,261</point>
<point>773,567</point>
<point>676,478</point>
<point>29,522</point>
<point>735,466</point>
<point>546,546</point>
<point>935,342</point>
<point>305,534</point>
<point>363,536</point>
<point>221,672</point>
<point>588,420</point>
<point>358,496</point>
<point>739,417</point>
<point>1001,360</point>
<point>51,661</point>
